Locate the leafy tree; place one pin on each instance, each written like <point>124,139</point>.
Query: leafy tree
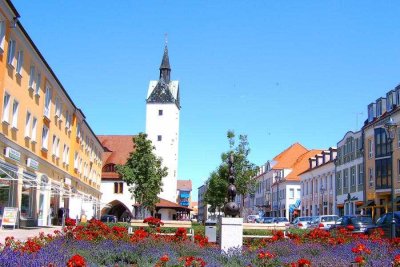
<point>143,173</point>
<point>245,171</point>
<point>217,185</point>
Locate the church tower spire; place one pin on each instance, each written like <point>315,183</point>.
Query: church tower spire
<point>165,68</point>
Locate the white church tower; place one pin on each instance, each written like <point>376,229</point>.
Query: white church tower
<point>162,124</point>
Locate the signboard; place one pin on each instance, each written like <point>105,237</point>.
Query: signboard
<point>31,163</point>
<point>397,191</point>
<point>10,217</point>
<point>12,154</point>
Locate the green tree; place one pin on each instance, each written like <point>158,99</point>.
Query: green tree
<point>217,185</point>
<point>143,172</point>
<point>245,171</point>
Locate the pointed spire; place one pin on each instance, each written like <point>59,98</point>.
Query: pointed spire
<point>165,60</point>
<point>165,68</point>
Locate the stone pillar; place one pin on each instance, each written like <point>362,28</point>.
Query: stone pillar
<point>231,233</point>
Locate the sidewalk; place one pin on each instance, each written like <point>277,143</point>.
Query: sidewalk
<point>23,233</point>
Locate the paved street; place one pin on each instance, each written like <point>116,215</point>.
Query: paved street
<point>23,234</point>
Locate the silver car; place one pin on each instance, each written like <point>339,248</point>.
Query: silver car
<point>324,221</point>
<point>302,222</point>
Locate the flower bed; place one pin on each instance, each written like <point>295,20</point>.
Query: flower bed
<point>97,244</point>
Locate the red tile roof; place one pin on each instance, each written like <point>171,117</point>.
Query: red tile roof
<point>184,185</point>
<point>116,151</point>
<point>289,156</point>
<point>166,204</point>
<point>301,165</point>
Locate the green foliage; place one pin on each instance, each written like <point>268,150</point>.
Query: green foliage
<point>143,172</point>
<point>244,173</point>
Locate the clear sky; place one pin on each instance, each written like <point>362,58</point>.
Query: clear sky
<point>279,71</point>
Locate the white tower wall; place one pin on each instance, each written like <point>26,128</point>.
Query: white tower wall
<point>162,120</point>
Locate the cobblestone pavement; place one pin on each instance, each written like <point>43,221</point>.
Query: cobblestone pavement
<point>23,233</point>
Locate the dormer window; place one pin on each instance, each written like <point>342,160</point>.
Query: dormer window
<point>371,112</point>
<point>378,108</point>
<point>390,100</point>
<point>109,168</point>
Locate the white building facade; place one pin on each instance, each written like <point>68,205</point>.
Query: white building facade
<point>162,124</point>
<point>318,185</point>
<point>350,174</point>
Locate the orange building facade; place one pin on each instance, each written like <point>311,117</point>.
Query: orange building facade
<point>50,159</point>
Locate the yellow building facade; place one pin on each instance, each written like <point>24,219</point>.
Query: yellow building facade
<point>50,159</point>
<point>381,166</point>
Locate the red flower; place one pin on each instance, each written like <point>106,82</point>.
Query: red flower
<point>360,260</point>
<point>303,262</point>
<point>76,261</point>
<point>164,258</point>
<point>350,227</point>
<point>396,261</point>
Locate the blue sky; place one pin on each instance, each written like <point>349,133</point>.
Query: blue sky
<point>279,71</point>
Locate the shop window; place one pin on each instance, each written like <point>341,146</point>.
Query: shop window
<point>27,201</point>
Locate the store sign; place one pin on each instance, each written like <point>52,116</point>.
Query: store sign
<point>12,154</point>
<point>31,163</point>
<point>10,216</point>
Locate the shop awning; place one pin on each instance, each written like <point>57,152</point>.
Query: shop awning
<point>369,204</point>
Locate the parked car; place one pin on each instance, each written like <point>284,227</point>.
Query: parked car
<point>281,221</point>
<point>267,220</point>
<point>252,218</point>
<point>355,223</point>
<point>109,218</point>
<point>324,221</point>
<point>301,222</point>
<point>385,221</point>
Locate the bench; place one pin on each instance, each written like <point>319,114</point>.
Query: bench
<point>167,224</point>
<point>265,227</point>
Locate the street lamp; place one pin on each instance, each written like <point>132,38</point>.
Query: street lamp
<point>278,179</point>
<point>322,190</point>
<point>390,127</point>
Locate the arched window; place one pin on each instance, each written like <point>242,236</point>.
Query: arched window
<point>109,168</point>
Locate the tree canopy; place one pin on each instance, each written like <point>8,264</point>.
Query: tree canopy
<point>245,171</point>
<point>143,172</point>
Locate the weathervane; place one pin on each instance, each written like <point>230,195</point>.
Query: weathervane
<point>231,208</point>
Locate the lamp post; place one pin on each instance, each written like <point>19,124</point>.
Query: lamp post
<point>322,191</point>
<point>390,127</point>
<point>278,179</point>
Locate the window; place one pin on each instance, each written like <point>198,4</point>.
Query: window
<point>38,80</point>
<point>291,193</point>
<point>14,122</point>
<point>67,120</point>
<point>54,145</point>
<point>31,82</point>
<point>118,188</point>
<point>371,176</point>
<point>76,160</point>
<point>58,148</point>
<point>20,62</point>
<point>398,137</point>
<point>47,103</point>
<point>382,146</point>
<point>28,125</point>
<point>160,112</point>
<point>6,107</point>
<point>78,130</point>
<point>353,176</point>
<point>360,174</point>
<point>338,180</point>
<point>383,173</point>
<point>58,107</point>
<point>370,152</point>
<point>2,35</point>
<point>67,159</point>
<point>34,124</point>
<point>345,178</point>
<point>11,52</point>
<point>45,137</point>
<point>64,159</point>
<point>159,137</point>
